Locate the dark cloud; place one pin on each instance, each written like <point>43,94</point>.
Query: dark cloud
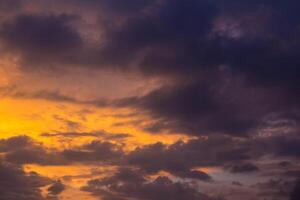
<point>293,173</point>
<point>44,95</point>
<point>13,143</point>
<point>281,145</point>
<point>275,189</point>
<point>41,40</point>
<point>56,188</point>
<point>100,134</point>
<point>232,71</point>
<point>197,43</point>
<point>178,39</point>
<point>243,168</point>
<point>51,39</point>
<point>132,184</point>
<point>15,184</point>
<point>219,107</point>
<point>181,158</point>
<point>105,152</point>
<point>172,37</point>
<point>24,150</point>
<point>195,109</point>
<point>170,28</point>
<point>284,163</point>
<point>235,155</point>
<point>115,6</point>
<point>48,95</point>
<point>236,183</point>
<point>198,108</point>
<point>29,155</point>
<point>295,194</point>
<point>7,6</point>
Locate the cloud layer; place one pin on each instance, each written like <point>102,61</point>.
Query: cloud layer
<point>223,75</point>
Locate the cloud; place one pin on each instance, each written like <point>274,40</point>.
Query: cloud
<point>50,95</point>
<point>15,184</point>
<point>178,39</point>
<point>172,37</point>
<point>115,6</point>
<point>159,31</point>
<point>18,142</point>
<point>229,73</point>
<point>199,107</point>
<point>94,151</point>
<point>24,150</point>
<point>194,109</point>
<point>181,158</point>
<point>41,40</point>
<point>167,37</point>
<point>295,194</point>
<point>156,28</point>
<point>100,134</point>
<point>218,107</point>
<point>275,188</point>
<point>281,145</point>
<point>243,168</point>
<point>132,184</point>
<point>235,155</point>
<point>56,188</point>
<point>44,95</point>
<point>8,6</point>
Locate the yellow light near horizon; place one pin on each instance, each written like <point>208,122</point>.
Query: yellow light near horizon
<point>32,117</point>
<point>19,118</point>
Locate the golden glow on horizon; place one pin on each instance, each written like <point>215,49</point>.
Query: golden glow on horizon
<point>33,117</point>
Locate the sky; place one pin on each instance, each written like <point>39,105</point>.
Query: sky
<point>149,100</point>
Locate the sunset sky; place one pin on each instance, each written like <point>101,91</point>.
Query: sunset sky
<point>149,100</point>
